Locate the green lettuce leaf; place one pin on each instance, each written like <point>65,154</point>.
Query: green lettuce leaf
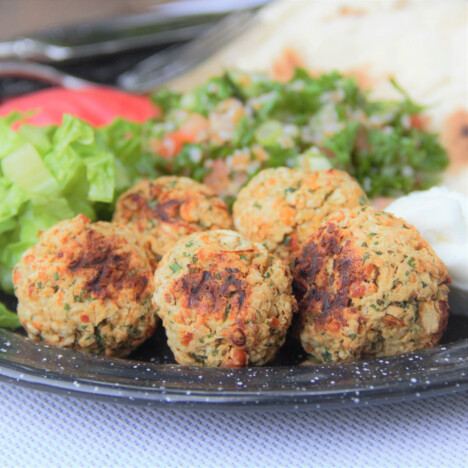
<point>39,137</point>
<point>8,319</point>
<point>10,140</point>
<point>127,141</point>
<point>25,167</point>
<point>77,153</point>
<point>12,199</point>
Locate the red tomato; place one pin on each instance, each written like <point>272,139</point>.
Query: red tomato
<point>173,143</point>
<point>97,106</point>
<point>417,121</point>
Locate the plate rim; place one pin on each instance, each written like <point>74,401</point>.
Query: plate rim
<point>451,379</point>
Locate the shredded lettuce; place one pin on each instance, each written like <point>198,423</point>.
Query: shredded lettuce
<point>25,167</point>
<point>11,140</point>
<point>127,141</point>
<point>8,319</point>
<point>12,199</point>
<point>48,174</point>
<point>39,137</point>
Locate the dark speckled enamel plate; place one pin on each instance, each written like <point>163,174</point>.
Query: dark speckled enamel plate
<point>151,377</point>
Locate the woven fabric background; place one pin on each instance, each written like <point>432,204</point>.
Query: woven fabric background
<point>38,429</point>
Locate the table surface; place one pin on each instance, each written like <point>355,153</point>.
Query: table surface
<point>39,429</point>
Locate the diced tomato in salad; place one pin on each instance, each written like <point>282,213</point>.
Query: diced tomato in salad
<point>96,105</point>
<point>417,121</point>
<point>194,130</point>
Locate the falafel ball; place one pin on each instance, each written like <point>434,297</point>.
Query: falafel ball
<point>88,287</point>
<point>281,207</point>
<point>224,301</point>
<point>164,210</point>
<point>368,285</point>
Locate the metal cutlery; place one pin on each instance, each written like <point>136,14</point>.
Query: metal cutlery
<point>165,23</point>
<point>151,72</point>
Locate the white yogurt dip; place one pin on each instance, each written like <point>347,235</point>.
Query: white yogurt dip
<point>441,217</point>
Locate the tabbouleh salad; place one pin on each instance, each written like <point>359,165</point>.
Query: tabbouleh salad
<point>235,125</point>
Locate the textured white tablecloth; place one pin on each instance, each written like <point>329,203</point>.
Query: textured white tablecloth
<point>38,429</point>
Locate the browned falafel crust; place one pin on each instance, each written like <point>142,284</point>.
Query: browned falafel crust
<point>282,207</point>
<point>368,285</point>
<point>168,208</point>
<point>224,301</point>
<point>88,287</point>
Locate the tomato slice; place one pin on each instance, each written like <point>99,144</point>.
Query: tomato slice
<point>96,105</point>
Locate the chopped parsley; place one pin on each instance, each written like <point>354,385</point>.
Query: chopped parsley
<point>226,311</point>
<point>327,357</point>
<point>175,267</point>
<point>152,204</point>
<point>79,297</point>
<point>314,359</point>
<point>198,358</point>
<point>286,240</point>
<point>293,189</point>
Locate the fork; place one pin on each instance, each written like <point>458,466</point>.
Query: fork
<point>152,72</point>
